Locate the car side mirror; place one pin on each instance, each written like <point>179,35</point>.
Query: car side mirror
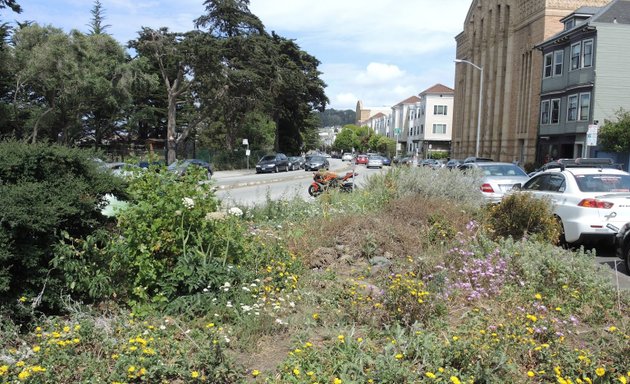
<point>517,187</point>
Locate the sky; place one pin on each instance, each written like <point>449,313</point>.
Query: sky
<point>378,51</point>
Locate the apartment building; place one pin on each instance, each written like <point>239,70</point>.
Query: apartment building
<point>500,37</point>
<point>430,121</point>
<point>585,79</point>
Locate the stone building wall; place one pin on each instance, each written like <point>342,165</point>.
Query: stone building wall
<point>500,35</point>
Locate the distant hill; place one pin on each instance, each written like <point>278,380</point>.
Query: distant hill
<point>332,117</point>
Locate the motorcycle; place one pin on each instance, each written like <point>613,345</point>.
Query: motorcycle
<point>322,181</point>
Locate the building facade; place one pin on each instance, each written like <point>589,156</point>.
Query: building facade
<point>501,36</point>
<point>431,121</point>
<point>585,79</point>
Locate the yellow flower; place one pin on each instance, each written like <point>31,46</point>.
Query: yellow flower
<point>19,364</point>
<point>131,369</point>
<point>22,299</point>
<point>557,371</point>
<point>210,325</point>
<point>430,375</point>
<point>360,339</point>
<point>255,372</point>
<point>194,374</point>
<point>399,356</point>
<point>612,328</point>
<point>455,380</point>
<point>341,338</point>
<point>315,316</point>
<point>296,372</point>
<point>455,338</point>
<point>538,296</point>
<point>531,374</point>
<point>25,374</point>
<point>308,344</point>
<point>337,381</point>
<point>36,348</point>
<point>600,371</point>
<point>623,380</point>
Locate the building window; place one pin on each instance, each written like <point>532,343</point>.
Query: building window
<point>576,52</point>
<point>555,111</point>
<point>544,112</point>
<point>439,128</point>
<point>587,59</point>
<point>548,65</point>
<point>421,129</point>
<point>439,110</point>
<point>558,58</point>
<point>585,106</point>
<point>572,108</point>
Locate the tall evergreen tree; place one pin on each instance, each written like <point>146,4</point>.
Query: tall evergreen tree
<point>98,16</point>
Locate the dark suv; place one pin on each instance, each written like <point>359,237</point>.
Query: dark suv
<point>273,163</point>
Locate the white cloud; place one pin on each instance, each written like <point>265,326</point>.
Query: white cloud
<point>379,73</point>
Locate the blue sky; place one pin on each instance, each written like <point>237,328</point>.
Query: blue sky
<point>380,51</point>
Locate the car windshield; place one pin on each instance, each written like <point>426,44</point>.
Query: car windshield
<point>316,158</point>
<point>502,170</point>
<point>603,183</point>
<point>268,158</point>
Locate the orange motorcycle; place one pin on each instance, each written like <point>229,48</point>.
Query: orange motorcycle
<point>322,181</point>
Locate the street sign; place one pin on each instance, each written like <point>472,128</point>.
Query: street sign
<point>591,135</point>
<point>396,131</point>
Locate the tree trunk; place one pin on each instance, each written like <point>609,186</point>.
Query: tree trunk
<point>171,138</point>
<point>36,126</point>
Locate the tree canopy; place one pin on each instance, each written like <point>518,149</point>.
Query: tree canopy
<point>614,136</point>
<point>224,81</point>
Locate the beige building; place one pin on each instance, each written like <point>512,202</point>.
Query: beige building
<point>500,37</point>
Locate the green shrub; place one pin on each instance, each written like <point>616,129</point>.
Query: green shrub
<point>45,190</point>
<point>521,214</point>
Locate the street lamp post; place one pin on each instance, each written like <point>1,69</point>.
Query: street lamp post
<point>480,95</point>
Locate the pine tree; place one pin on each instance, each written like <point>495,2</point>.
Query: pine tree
<point>96,24</point>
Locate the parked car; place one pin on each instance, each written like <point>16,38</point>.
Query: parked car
<point>453,163</point>
<point>429,163</point>
<point>407,160</point>
<point>316,162</point>
<point>622,245</point>
<point>386,161</point>
<point>362,159</point>
<point>473,159</point>
<point>374,161</point>
<point>296,162</point>
<point>273,163</point>
<point>347,157</point>
<point>589,202</point>
<point>497,178</point>
<point>180,167</point>
<point>121,168</point>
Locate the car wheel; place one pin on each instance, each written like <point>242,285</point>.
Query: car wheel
<point>562,241</point>
<point>275,170</point>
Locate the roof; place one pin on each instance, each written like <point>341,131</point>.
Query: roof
<point>617,12</point>
<point>380,114</point>
<point>438,88</point>
<point>410,100</point>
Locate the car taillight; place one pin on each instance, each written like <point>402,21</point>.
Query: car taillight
<point>594,203</point>
<point>487,188</point>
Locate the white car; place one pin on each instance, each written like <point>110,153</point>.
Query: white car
<point>497,178</point>
<point>590,202</point>
<point>347,157</point>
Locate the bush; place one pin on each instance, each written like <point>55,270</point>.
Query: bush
<point>45,190</point>
<point>521,214</point>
